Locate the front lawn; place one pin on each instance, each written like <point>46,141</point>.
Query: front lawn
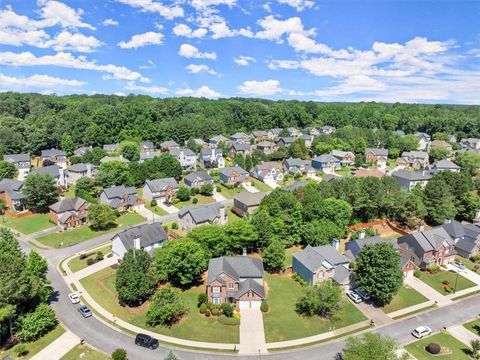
<point>35,347</point>
<point>473,326</point>
<point>232,217</point>
<point>289,252</point>
<point>83,233</point>
<point>261,186</point>
<point>76,264</point>
<point>283,323</point>
<point>230,193</point>
<point>194,326</point>
<point>345,171</point>
<point>458,350</point>
<point>202,200</point>
<point>470,265</point>
<point>29,224</point>
<point>84,352</point>
<point>435,281</point>
<point>405,297</point>
<point>155,209</point>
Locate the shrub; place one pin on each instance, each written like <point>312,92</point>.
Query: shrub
<point>209,305</point>
<point>433,348</point>
<point>445,282</point>
<point>207,313</point>
<point>99,256</point>
<point>219,188</point>
<point>228,320</point>
<point>475,258</point>
<point>90,261</point>
<point>206,189</point>
<point>119,354</point>
<point>203,308</point>
<point>202,299</point>
<point>20,350</point>
<point>153,202</point>
<point>193,191</point>
<point>194,201</point>
<point>165,228</point>
<point>83,256</point>
<point>296,277</point>
<point>417,273</point>
<point>476,267</point>
<point>215,311</point>
<point>264,306</point>
<point>36,324</point>
<point>166,308</point>
<point>433,269</point>
<point>228,310</point>
<point>174,226</point>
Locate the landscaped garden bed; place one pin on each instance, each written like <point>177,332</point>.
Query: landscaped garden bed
<point>444,281</point>
<point>452,349</point>
<point>82,261</point>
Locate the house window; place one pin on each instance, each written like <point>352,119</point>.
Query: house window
<point>216,301</point>
<point>231,285</point>
<point>320,274</point>
<point>216,289</point>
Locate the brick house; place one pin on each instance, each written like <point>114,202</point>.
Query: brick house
<point>345,157</point>
<point>161,190</point>
<point>414,159</point>
<point>466,237</point>
<point>376,156</point>
<point>234,176</point>
<point>169,145</point>
<point>267,147</point>
<point>197,178</point>
<point>120,197</point>
<point>11,193</point>
<point>237,280</point>
<point>259,135</point>
<point>239,148</point>
<point>69,213</point>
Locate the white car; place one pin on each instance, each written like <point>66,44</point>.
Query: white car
<point>363,294</point>
<point>74,298</point>
<point>421,332</point>
<point>354,297</point>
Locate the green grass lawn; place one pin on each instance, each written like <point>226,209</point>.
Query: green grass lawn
<point>458,349</point>
<point>435,281</point>
<point>470,265</point>
<point>70,193</point>
<point>202,200</point>
<point>261,186</point>
<point>230,193</point>
<point>405,297</point>
<point>155,209</point>
<point>35,347</point>
<point>345,171</point>
<point>84,352</point>
<point>194,326</point>
<point>76,264</point>
<point>473,326</point>
<point>29,224</point>
<point>75,236</point>
<point>289,252</point>
<point>283,323</point>
<point>232,217</point>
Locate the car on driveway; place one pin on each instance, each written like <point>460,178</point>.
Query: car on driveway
<point>85,311</point>
<point>459,265</point>
<point>74,298</point>
<point>354,296</point>
<point>363,294</point>
<point>146,341</point>
<point>421,331</point>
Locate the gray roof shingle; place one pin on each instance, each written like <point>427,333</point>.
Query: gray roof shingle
<point>148,234</point>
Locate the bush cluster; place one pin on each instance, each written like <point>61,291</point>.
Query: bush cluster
<point>433,269</point>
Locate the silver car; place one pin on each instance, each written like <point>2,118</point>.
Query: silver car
<point>354,296</point>
<point>421,331</point>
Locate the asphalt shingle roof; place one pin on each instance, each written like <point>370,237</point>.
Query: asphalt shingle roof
<point>158,185</point>
<point>148,234</point>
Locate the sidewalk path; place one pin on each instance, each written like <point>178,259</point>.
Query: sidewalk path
<point>55,350</point>
<point>45,232</point>
<point>427,291</point>
<point>462,334</point>
<point>373,313</point>
<point>92,269</point>
<point>411,309</point>
<point>252,334</point>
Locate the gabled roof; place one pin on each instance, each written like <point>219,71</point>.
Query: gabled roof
<point>424,241</point>
<point>240,147</point>
<point>446,164</point>
<point>331,177</point>
<point>239,135</point>
<point>412,175</point>
<point>232,169</point>
<point>114,158</point>
<point>250,285</point>
<point>52,170</point>
<point>296,162</point>
<point>377,152</point>
<point>296,185</point>
<point>147,144</point>
<point>250,199</point>
<point>119,191</point>
<point>265,144</point>
<point>17,158</point>
<point>325,158</point>
<point>314,257</point>
<point>218,138</point>
<point>353,247</point>
<point>415,154</point>
<point>201,175</point>
<point>148,234</point>
<point>341,154</point>
<point>423,135</point>
<point>79,168</point>
<point>53,153</point>
<point>276,131</point>
<point>147,155</point>
<point>209,152</point>
<point>82,150</point>
<point>71,204</point>
<point>202,213</point>
<point>158,185</point>
<point>186,152</point>
<point>111,147</point>
<point>237,267</point>
<point>286,139</point>
<point>259,133</point>
<point>12,188</point>
<point>169,143</point>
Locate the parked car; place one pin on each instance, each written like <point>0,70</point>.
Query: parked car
<point>85,311</point>
<point>354,296</point>
<point>74,298</point>
<point>421,331</point>
<point>363,294</point>
<point>146,341</point>
<point>459,265</point>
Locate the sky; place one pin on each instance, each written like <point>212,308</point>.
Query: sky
<point>385,50</point>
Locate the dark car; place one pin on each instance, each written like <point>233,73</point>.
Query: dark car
<point>146,341</point>
<point>85,311</point>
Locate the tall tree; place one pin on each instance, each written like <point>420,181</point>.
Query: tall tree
<point>323,299</point>
<point>7,170</point>
<point>101,216</point>
<point>371,346</point>
<point>39,191</point>
<point>67,144</point>
<point>439,201</point>
<point>274,256</point>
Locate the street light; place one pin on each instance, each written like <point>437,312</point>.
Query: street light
<point>456,279</point>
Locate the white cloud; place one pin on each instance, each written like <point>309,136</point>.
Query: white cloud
<point>120,93</point>
<point>202,4</point>
<point>146,89</point>
<point>244,60</point>
<point>67,60</point>
<point>139,40</point>
<point>260,88</point>
<point>110,22</point>
<point>195,69</point>
<point>75,42</point>
<point>168,12</point>
<point>274,29</point>
<point>185,30</point>
<point>203,91</point>
<point>190,51</point>
<point>299,5</point>
<point>150,65</point>
<point>37,81</point>
<point>354,84</point>
<point>57,13</point>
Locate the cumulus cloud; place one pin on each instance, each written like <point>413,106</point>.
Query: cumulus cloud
<point>139,40</point>
<point>110,22</point>
<point>299,5</point>
<point>75,42</point>
<point>202,4</point>
<point>244,60</point>
<point>57,13</point>
<point>260,88</point>
<point>190,51</point>
<point>195,69</point>
<point>186,31</point>
<point>168,12</point>
<point>37,81</point>
<point>274,29</point>
<point>203,91</point>
<point>146,89</point>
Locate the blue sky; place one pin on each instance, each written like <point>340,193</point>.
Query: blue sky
<point>407,51</point>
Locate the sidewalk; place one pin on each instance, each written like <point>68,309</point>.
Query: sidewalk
<point>44,232</point>
<point>411,309</point>
<point>462,334</point>
<point>58,348</point>
<point>89,270</point>
<point>427,291</point>
<point>169,209</point>
<point>468,274</point>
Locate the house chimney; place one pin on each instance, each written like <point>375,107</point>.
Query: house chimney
<point>477,215</point>
<point>447,221</point>
<point>336,244</point>
<point>244,253</point>
<point>136,243</point>
<point>421,227</point>
<point>361,234</point>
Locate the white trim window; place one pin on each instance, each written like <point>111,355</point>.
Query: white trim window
<point>216,301</point>
<point>231,286</point>
<point>216,289</point>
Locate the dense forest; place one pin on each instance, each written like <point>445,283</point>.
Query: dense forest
<point>31,122</point>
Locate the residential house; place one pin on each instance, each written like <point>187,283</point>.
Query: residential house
<point>267,171</point>
<point>240,138</point>
<point>56,172</point>
<point>466,237</point>
<point>211,158</point>
<point>147,147</point>
<point>298,166</point>
<point>321,263</point>
<point>69,213</point>
<point>120,197</point>
<point>200,143</point>
<point>311,131</point>
<point>82,150</point>
<point>234,176</point>
<point>442,144</point>
<point>245,203</point>
<point>267,147</point>
<point>215,141</point>
<point>424,141</point>
<point>22,162</point>
<point>54,156</point>
<point>445,165</point>
<point>77,171</point>
<point>346,158</point>
<point>197,215</point>
<point>146,156</point>
<point>376,156</point>
<point>362,173</point>
<point>239,148</point>
<point>197,179</point>
<point>120,158</point>
<point>409,179</point>
<point>274,134</point>
<point>325,163</point>
<point>327,130</point>
<point>296,185</point>
<point>161,190</point>
<point>414,159</point>
<point>11,193</point>
<point>293,132</point>
<point>331,177</point>
<point>308,139</point>
<point>431,247</point>
<point>285,141</point>
<point>470,144</point>
<point>111,148</point>
<point>237,280</point>
<point>186,157</point>
<point>147,237</point>
<point>260,135</point>
<point>169,145</point>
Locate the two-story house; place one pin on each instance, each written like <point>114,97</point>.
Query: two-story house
<point>120,197</point>
<point>54,156</point>
<point>285,141</point>
<point>147,237</point>
<point>240,138</point>
<point>294,132</point>
<point>22,162</point>
<point>424,141</point>
<point>216,140</point>
<point>298,166</point>
<point>259,135</point>
<point>11,193</point>
<point>82,150</point>
<point>308,140</point>
<point>197,179</point>
<point>470,144</point>
<point>376,156</point>
<point>326,163</point>
<point>445,165</point>
<point>234,176</point>
<point>56,172</point>
<point>197,215</point>
<point>346,158</point>
<point>76,172</point>
<point>169,145</point>
<point>239,148</point>
<point>267,147</point>
<point>161,190</point>
<point>267,171</point>
<point>211,158</point>
<point>245,203</point>
<point>147,147</point>
<point>186,157</point>
<point>237,280</point>
<point>274,134</point>
<point>409,179</point>
<point>414,159</point>
<point>69,213</point>
<point>466,237</point>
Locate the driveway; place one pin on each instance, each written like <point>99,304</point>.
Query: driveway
<point>58,348</point>
<point>273,184</point>
<point>373,313</point>
<point>315,177</point>
<point>427,291</point>
<point>250,188</point>
<point>469,274</point>
<point>252,334</point>
<point>462,334</point>
<point>218,197</point>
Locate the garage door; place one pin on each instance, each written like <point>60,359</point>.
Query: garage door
<point>250,304</point>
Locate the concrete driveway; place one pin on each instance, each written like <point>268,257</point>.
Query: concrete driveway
<point>252,334</point>
<point>427,291</point>
<point>373,313</point>
<point>462,334</point>
<point>273,184</point>
<point>250,188</point>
